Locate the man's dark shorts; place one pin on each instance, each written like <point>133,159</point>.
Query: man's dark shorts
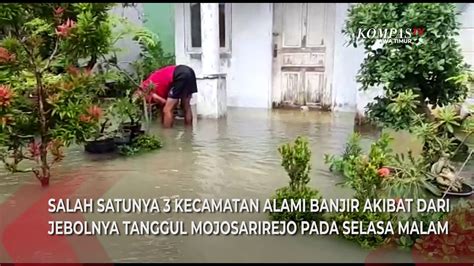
<point>184,82</point>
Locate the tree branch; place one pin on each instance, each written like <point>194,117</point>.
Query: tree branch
<point>123,72</point>
<point>48,63</point>
<point>27,170</point>
<point>22,41</point>
<point>92,62</point>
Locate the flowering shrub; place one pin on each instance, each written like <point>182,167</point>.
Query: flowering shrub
<point>383,172</point>
<point>46,96</point>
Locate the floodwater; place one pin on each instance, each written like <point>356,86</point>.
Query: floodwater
<point>235,157</point>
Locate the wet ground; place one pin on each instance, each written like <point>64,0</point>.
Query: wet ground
<point>235,157</point>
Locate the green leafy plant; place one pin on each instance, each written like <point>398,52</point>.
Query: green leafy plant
<point>434,143</point>
<point>47,89</point>
<point>152,56</point>
<point>125,110</point>
<point>105,127</point>
<point>296,159</point>
<point>344,163</point>
<point>361,170</point>
<point>423,64</point>
<point>409,178</point>
<point>287,194</point>
<point>141,144</point>
<point>368,241</point>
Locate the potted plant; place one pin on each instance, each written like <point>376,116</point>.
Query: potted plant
<point>103,141</point>
<point>127,113</point>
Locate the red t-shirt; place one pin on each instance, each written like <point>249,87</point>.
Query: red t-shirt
<point>162,79</point>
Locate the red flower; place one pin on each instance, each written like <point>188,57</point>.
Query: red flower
<point>6,56</point>
<point>58,11</point>
<point>64,29</point>
<point>418,31</point>
<point>72,70</point>
<point>95,112</point>
<point>85,118</point>
<point>5,96</point>
<point>383,172</point>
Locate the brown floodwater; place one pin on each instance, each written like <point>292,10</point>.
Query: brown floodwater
<point>234,157</point>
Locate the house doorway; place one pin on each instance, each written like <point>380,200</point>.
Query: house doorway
<point>303,44</point>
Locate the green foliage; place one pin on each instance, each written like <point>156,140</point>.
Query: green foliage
<point>344,163</point>
<point>296,159</point>
<point>141,144</point>
<point>447,119</point>
<point>360,170</point>
<point>409,178</point>
<point>438,134</point>
<point>48,96</point>
<point>425,66</point>
<point>398,112</point>
<point>380,174</point>
<point>288,195</point>
<point>368,241</point>
<point>152,57</point>
<point>152,54</point>
<point>125,110</point>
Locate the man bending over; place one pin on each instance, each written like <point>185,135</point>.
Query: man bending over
<point>172,84</point>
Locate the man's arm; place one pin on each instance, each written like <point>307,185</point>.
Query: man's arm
<point>158,99</point>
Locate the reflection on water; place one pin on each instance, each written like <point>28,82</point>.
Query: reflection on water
<point>235,157</point>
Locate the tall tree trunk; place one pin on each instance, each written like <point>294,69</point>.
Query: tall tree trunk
<point>45,171</point>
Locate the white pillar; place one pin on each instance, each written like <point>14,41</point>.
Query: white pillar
<point>211,100</point>
<point>210,38</point>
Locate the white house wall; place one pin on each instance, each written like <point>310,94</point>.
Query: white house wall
<point>248,67</point>
<point>347,60</point>
<point>466,39</point>
<point>466,34</point>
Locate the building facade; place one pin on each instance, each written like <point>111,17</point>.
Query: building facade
<point>262,55</point>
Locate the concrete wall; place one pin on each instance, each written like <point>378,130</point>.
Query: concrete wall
<point>466,39</point>
<point>248,65</point>
<point>347,60</point>
<point>159,18</point>
<point>466,34</point>
<point>130,50</point>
